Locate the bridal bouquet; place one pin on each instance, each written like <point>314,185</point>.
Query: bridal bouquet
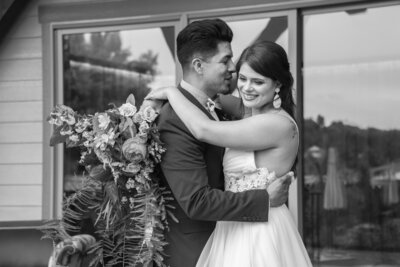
<point>119,149</point>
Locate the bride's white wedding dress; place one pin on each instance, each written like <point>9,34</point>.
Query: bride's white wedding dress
<point>275,243</point>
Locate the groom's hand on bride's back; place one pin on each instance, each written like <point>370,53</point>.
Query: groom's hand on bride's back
<point>278,190</point>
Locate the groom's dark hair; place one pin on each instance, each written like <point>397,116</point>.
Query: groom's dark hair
<point>201,38</point>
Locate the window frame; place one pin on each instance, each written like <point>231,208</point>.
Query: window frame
<point>302,13</point>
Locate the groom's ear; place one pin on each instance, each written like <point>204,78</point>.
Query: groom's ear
<point>197,64</point>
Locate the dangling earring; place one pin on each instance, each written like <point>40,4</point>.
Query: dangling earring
<point>277,99</point>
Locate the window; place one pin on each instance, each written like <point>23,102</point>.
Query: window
<point>100,68</point>
<point>352,137</point>
<point>247,31</point>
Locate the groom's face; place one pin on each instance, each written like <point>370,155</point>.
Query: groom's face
<point>218,70</point>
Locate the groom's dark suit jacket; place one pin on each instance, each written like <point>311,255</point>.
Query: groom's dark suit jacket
<point>192,170</point>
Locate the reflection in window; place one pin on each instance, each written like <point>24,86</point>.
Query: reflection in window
<point>246,32</point>
<point>352,137</point>
<point>103,68</point>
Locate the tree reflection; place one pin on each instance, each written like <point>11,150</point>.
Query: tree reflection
<point>98,72</point>
<point>365,156</point>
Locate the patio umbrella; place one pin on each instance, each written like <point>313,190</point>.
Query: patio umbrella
<point>393,194</point>
<point>334,194</point>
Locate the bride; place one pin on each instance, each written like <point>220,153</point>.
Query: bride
<point>265,142</point>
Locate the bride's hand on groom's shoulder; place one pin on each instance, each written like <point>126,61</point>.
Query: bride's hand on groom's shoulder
<point>160,93</point>
<point>156,98</point>
<point>154,103</point>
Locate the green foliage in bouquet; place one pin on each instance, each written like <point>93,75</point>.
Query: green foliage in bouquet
<point>120,148</point>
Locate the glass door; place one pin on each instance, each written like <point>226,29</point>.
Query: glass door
<point>352,137</point>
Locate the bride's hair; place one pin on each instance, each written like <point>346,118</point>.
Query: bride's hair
<point>270,60</point>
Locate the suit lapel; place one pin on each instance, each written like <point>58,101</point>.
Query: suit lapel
<point>192,99</point>
<point>221,115</point>
<point>213,154</point>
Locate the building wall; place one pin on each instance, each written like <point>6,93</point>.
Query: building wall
<point>21,140</point>
<point>21,119</point>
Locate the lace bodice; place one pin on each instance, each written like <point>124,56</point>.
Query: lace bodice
<point>241,172</point>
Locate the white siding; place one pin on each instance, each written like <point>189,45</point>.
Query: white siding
<point>15,213</point>
<point>18,195</point>
<point>21,69</point>
<point>21,111</point>
<point>13,174</point>
<point>20,154</point>
<point>21,119</point>
<point>12,91</point>
<point>26,26</point>
<point>17,132</point>
<point>21,48</point>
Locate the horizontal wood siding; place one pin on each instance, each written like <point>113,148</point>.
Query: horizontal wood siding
<point>21,91</point>
<point>27,26</point>
<point>21,195</point>
<point>20,153</point>
<point>17,132</point>
<point>13,174</point>
<point>21,48</point>
<point>21,119</point>
<point>21,111</point>
<point>20,213</point>
<point>20,69</point>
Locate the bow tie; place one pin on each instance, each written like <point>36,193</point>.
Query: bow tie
<point>211,105</point>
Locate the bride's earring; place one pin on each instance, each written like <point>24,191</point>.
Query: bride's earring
<point>277,99</point>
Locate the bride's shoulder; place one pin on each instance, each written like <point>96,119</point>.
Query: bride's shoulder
<point>280,121</point>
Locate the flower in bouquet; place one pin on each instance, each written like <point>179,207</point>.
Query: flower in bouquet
<point>134,149</point>
<point>131,169</point>
<point>62,115</point>
<point>127,110</point>
<point>149,114</point>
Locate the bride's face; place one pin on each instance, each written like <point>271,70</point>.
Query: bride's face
<point>257,91</point>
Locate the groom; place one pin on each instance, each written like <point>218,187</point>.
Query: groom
<point>192,169</point>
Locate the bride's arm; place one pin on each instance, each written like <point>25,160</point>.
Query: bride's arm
<point>253,133</point>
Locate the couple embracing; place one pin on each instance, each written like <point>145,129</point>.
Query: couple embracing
<point>229,178</point>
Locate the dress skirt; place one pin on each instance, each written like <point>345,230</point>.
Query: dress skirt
<point>276,243</point>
